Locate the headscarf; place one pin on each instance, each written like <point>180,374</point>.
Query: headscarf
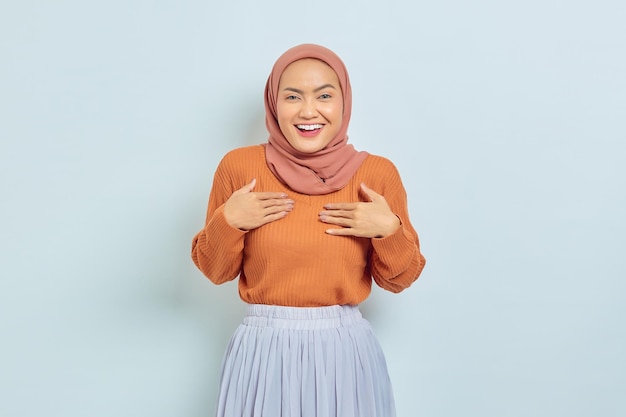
<point>328,169</point>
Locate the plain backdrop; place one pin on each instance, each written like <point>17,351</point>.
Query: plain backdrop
<point>505,119</point>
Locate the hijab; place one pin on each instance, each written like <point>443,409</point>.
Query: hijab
<point>328,169</point>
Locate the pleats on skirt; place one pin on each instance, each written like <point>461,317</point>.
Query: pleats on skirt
<point>304,362</point>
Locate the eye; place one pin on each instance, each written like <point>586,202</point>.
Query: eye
<point>291,97</point>
<point>325,96</point>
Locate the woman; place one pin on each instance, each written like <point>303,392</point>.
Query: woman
<point>306,222</point>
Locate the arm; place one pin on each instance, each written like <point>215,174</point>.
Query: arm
<point>217,249</point>
<point>395,259</point>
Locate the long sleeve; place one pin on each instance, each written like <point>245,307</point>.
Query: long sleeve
<point>217,250</point>
<point>293,261</point>
<point>396,260</point>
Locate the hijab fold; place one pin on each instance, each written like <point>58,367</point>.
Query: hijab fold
<point>328,169</point>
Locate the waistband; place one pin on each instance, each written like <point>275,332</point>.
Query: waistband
<point>302,318</point>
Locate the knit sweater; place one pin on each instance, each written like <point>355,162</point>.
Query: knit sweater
<point>293,261</point>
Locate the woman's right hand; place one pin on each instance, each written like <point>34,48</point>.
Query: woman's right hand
<point>247,210</point>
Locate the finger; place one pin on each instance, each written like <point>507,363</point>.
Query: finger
<point>269,195</point>
<point>345,231</point>
<point>324,215</point>
<point>338,221</point>
<point>247,188</point>
<point>373,195</point>
<point>281,203</point>
<point>273,217</point>
<point>271,209</point>
<point>341,206</point>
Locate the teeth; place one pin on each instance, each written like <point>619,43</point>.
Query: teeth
<point>309,127</point>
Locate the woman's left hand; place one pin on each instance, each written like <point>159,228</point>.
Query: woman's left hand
<point>363,219</point>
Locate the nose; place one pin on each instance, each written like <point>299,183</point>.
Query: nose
<point>308,109</point>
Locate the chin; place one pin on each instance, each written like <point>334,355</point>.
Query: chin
<point>310,149</point>
<point>306,147</point>
<point>309,146</point>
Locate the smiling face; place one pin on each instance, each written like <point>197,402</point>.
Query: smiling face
<point>310,105</point>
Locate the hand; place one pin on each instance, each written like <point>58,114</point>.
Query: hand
<point>247,210</point>
<point>362,219</point>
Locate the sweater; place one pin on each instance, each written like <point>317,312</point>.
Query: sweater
<point>293,261</point>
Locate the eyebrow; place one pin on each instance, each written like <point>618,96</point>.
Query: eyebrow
<point>321,87</point>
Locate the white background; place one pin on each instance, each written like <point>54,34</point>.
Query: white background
<point>505,119</point>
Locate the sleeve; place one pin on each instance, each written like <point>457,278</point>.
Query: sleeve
<point>396,260</point>
<point>217,249</point>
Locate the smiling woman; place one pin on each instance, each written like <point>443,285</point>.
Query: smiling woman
<point>307,223</point>
<point>310,105</point>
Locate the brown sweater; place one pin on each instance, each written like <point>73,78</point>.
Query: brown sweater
<point>292,261</point>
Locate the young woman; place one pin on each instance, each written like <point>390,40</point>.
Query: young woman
<point>306,222</point>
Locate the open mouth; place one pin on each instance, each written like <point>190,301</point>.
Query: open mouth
<point>309,128</point>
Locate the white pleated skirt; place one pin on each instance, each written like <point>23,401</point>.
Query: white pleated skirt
<point>304,362</point>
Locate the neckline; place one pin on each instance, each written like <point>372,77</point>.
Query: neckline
<point>295,194</point>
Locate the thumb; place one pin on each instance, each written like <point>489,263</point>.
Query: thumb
<point>373,195</point>
<point>248,187</point>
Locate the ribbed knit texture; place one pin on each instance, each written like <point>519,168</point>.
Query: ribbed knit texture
<point>292,261</point>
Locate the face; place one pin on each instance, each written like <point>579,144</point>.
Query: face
<point>310,105</point>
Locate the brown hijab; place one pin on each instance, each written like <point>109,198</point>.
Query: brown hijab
<point>328,169</point>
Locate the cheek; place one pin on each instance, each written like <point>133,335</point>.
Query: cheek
<point>335,110</point>
<point>338,121</point>
<point>283,118</point>
<point>337,114</point>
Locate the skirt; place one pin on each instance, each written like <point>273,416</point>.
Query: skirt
<point>304,362</point>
